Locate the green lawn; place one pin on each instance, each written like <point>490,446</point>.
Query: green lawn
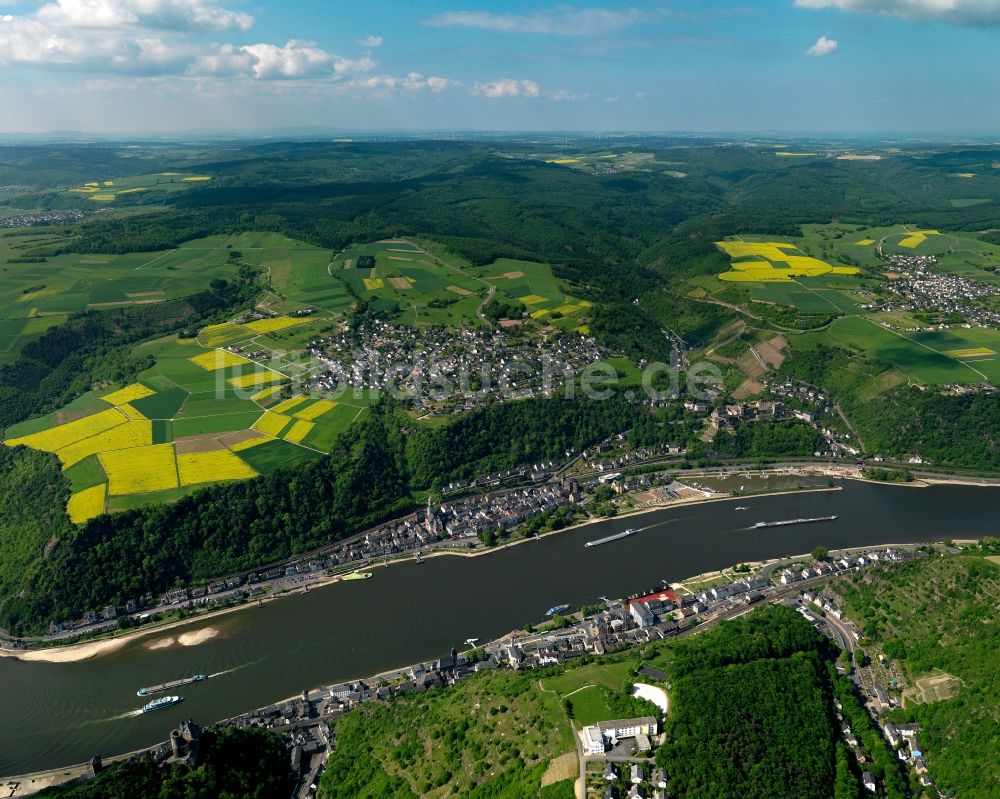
<point>277,454</point>
<point>164,404</point>
<point>86,473</point>
<point>211,403</point>
<point>611,675</point>
<point>331,424</point>
<point>590,705</point>
<point>217,423</point>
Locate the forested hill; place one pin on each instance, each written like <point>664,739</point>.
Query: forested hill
<point>370,475</point>
<point>751,714</point>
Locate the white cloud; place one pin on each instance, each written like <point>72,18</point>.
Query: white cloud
<point>123,35</point>
<point>985,13</point>
<point>561,95</point>
<point>351,66</point>
<point>507,87</point>
<point>823,47</point>
<point>558,21</point>
<point>415,82</point>
<point>381,86</point>
<point>154,14</point>
<point>294,60</point>
<point>147,39</point>
<point>371,42</point>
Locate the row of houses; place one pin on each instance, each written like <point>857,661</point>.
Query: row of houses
<point>468,518</point>
<point>792,575</point>
<point>633,781</point>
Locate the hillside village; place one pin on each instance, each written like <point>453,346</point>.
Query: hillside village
<point>441,370</point>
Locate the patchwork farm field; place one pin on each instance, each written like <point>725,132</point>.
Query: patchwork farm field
<point>425,285</point>
<point>152,187</point>
<point>198,416</point>
<point>35,296</point>
<point>774,261</point>
<point>205,412</point>
<point>794,272</point>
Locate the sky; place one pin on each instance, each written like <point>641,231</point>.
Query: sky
<point>797,66</point>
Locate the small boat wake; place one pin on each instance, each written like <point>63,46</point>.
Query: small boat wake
<point>234,668</point>
<point>127,715</point>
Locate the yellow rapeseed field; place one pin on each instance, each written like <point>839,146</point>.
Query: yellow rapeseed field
<point>217,359</point>
<point>131,412</point>
<point>239,446</point>
<point>140,470</point>
<point>288,404</point>
<point>373,283</point>
<point>274,323</point>
<point>972,352</point>
<point>770,250</point>
<point>299,431</point>
<point>271,423</point>
<point>65,434</point>
<point>533,299</point>
<point>267,392</point>
<point>197,179</point>
<point>865,242</point>
<point>539,314</point>
<point>568,308</point>
<point>218,335</point>
<point>86,504</point>
<point>124,436</point>
<point>255,379</point>
<point>128,394</point>
<point>917,237</point>
<point>766,255</point>
<point>316,410</point>
<point>211,467</point>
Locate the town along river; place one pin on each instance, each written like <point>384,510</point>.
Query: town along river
<point>58,714</point>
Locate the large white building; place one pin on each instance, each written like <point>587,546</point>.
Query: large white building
<point>598,737</point>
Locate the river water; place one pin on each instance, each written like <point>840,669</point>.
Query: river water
<point>58,714</point>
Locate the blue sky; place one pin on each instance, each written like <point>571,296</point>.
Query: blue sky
<point>918,66</point>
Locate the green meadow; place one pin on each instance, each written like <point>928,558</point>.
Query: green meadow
<point>918,356</point>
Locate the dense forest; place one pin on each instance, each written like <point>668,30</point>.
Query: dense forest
<point>770,439</point>
<point>751,714</point>
<point>232,764</point>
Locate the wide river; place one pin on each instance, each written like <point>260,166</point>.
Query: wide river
<point>59,714</point>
